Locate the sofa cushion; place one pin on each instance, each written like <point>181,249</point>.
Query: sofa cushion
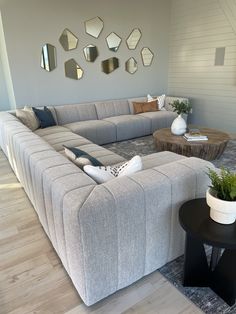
<point>113,108</point>
<point>57,140</point>
<point>159,119</point>
<point>76,112</point>
<point>130,126</point>
<point>160,158</point>
<point>103,155</point>
<point>97,131</point>
<point>80,157</point>
<point>51,130</point>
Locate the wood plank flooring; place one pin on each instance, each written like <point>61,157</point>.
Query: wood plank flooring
<point>32,279</point>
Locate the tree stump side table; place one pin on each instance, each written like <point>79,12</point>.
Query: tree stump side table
<point>208,150</point>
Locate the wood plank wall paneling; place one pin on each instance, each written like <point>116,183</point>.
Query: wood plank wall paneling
<point>197,29</point>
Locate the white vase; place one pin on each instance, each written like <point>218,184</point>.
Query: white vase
<point>178,126</point>
<point>223,212</point>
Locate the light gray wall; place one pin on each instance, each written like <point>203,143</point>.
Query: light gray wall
<point>29,24</point>
<point>197,29</point>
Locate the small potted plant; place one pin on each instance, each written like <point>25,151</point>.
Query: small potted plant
<point>221,196</point>
<point>179,125</point>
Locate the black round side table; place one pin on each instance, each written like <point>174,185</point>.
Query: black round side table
<point>220,274</point>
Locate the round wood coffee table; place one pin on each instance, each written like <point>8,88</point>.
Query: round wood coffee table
<point>208,150</point>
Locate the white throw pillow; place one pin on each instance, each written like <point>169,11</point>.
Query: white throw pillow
<point>160,100</point>
<point>28,118</point>
<point>104,174</point>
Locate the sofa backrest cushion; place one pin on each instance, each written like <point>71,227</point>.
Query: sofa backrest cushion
<point>107,109</point>
<point>76,112</point>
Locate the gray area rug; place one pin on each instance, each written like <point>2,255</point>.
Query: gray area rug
<point>204,298</point>
<point>145,145</point>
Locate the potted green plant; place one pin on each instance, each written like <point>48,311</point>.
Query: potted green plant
<point>221,196</point>
<point>179,125</point>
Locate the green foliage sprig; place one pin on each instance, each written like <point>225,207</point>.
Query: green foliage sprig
<point>181,107</point>
<point>223,184</point>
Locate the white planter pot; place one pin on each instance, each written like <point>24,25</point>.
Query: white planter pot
<point>223,212</point>
<point>179,126</point>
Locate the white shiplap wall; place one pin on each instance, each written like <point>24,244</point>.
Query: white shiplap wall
<point>197,29</point>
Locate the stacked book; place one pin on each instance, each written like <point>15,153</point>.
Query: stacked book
<point>195,135</point>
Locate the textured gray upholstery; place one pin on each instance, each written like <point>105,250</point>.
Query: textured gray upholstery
<point>113,108</point>
<point>136,225</point>
<point>159,119</point>
<point>97,131</point>
<point>77,112</point>
<point>109,235</point>
<point>158,159</point>
<point>50,130</point>
<point>130,126</point>
<point>105,156</point>
<point>57,140</point>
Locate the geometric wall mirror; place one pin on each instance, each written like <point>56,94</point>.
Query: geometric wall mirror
<point>147,56</point>
<point>94,27</point>
<point>90,53</point>
<point>113,41</point>
<point>73,70</point>
<point>110,65</point>
<point>48,57</point>
<point>134,38</point>
<point>68,40</point>
<point>131,65</point>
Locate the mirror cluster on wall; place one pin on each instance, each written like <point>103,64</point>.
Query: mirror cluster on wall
<point>94,27</point>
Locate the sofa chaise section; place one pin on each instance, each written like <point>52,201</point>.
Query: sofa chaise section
<point>128,227</point>
<point>58,136</point>
<point>97,131</point>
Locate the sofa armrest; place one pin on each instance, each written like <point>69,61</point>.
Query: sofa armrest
<point>128,227</point>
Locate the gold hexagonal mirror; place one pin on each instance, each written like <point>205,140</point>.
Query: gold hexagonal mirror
<point>73,70</point>
<point>68,40</point>
<point>147,56</point>
<point>94,27</point>
<point>110,65</point>
<point>113,41</point>
<point>134,38</point>
<point>90,53</point>
<point>131,65</point>
<point>48,57</point>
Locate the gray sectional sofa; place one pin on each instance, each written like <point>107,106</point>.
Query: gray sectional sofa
<point>109,235</point>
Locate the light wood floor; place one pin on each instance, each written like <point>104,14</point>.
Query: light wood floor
<point>32,279</point>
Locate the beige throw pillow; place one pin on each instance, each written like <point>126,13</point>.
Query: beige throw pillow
<point>28,118</point>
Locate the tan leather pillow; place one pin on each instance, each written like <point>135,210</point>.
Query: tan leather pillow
<point>138,107</point>
<point>141,107</point>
